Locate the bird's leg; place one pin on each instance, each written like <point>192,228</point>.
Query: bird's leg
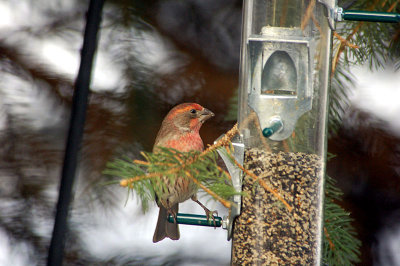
<point>170,211</point>
<point>209,214</point>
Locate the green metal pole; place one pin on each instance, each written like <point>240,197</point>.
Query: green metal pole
<point>194,219</point>
<point>371,16</point>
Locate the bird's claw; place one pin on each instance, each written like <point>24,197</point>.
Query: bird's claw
<point>210,214</point>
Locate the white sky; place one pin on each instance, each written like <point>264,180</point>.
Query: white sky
<point>60,55</point>
<point>378,92</point>
<point>16,254</point>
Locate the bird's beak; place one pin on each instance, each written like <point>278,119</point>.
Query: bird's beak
<point>205,114</point>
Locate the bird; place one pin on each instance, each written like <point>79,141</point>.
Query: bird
<point>179,130</point>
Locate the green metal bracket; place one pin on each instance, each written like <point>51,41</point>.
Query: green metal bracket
<point>371,16</point>
<point>337,14</point>
<point>194,219</point>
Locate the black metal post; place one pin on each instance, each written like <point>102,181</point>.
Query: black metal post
<point>75,133</point>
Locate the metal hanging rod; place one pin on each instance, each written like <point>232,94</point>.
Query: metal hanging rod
<point>371,16</point>
<point>337,14</point>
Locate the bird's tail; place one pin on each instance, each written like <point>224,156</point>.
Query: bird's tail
<point>164,228</point>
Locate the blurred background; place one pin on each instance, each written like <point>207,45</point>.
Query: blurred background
<point>153,55</point>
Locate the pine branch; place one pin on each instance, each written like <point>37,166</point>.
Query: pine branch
<point>308,14</point>
<point>147,178</point>
<point>340,245</point>
<point>378,43</point>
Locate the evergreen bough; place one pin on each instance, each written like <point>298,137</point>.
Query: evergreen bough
<point>340,245</point>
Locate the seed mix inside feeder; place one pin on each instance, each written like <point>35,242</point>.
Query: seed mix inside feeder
<point>285,236</point>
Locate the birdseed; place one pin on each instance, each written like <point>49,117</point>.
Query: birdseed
<point>266,233</point>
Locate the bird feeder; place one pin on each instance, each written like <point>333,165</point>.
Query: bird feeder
<point>284,78</point>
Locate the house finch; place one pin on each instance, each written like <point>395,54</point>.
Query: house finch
<point>179,130</point>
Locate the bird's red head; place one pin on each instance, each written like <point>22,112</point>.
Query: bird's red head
<point>180,128</point>
<point>189,116</point>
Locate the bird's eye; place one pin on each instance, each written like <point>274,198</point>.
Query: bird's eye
<point>193,111</point>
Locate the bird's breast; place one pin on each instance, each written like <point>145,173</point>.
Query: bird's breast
<point>186,142</point>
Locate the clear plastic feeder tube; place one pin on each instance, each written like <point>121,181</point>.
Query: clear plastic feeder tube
<point>284,78</point>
